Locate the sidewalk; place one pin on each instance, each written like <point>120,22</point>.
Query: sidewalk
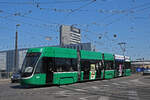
<point>5,80</point>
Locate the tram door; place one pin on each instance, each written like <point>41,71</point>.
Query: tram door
<point>98,70</point>
<point>120,69</point>
<point>92,71</point>
<point>47,62</point>
<point>86,74</point>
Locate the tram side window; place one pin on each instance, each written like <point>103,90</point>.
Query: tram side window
<point>44,64</point>
<point>65,65</point>
<point>39,68</point>
<point>127,65</point>
<point>99,65</point>
<point>86,64</point>
<point>109,65</point>
<point>74,64</point>
<point>118,63</point>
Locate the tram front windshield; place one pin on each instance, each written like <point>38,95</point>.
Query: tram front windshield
<point>29,64</point>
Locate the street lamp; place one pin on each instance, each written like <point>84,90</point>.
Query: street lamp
<point>16,49</point>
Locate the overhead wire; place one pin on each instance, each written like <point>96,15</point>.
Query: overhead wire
<point>114,21</point>
<point>85,5</point>
<point>92,1</point>
<point>31,37</point>
<point>29,17</point>
<point>127,10</point>
<point>43,3</point>
<point>136,11</point>
<point>17,20</point>
<point>119,19</point>
<point>30,24</point>
<point>51,27</point>
<point>96,41</point>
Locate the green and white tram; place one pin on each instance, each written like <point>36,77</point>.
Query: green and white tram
<point>54,65</point>
<point>127,71</point>
<point>122,66</point>
<point>119,65</point>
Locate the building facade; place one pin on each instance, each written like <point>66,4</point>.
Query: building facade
<point>7,62</point>
<point>141,64</point>
<point>69,35</point>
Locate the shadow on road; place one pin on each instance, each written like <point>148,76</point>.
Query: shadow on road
<point>18,86</point>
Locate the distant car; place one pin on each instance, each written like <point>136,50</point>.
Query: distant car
<point>146,72</point>
<point>15,77</point>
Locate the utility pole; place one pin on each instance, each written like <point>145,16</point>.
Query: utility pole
<point>143,61</point>
<point>78,63</point>
<point>16,49</point>
<point>104,67</point>
<point>123,48</point>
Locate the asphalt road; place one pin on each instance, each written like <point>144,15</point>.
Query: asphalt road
<point>135,87</point>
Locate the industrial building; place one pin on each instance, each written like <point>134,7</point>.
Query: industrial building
<point>69,35</point>
<point>7,61</point>
<point>141,64</point>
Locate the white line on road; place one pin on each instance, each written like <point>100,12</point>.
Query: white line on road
<point>124,82</point>
<point>95,87</point>
<point>80,90</point>
<point>63,93</point>
<point>115,84</point>
<point>86,98</point>
<point>103,98</point>
<point>100,98</point>
<point>133,95</point>
<point>105,85</point>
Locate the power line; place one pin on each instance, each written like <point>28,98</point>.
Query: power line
<point>122,46</point>
<point>32,37</point>
<point>24,16</point>
<point>128,10</point>
<point>37,25</point>
<point>92,1</point>
<point>43,3</point>
<point>119,19</point>
<point>83,6</point>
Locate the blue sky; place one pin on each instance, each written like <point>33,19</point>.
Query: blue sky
<point>39,19</point>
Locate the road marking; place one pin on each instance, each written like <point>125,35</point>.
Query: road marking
<point>86,98</point>
<point>105,80</point>
<point>63,93</point>
<point>95,87</point>
<point>105,85</point>
<point>67,93</point>
<point>137,81</point>
<point>87,88</point>
<point>103,98</point>
<point>80,90</point>
<point>133,95</point>
<point>115,84</point>
<point>124,82</point>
